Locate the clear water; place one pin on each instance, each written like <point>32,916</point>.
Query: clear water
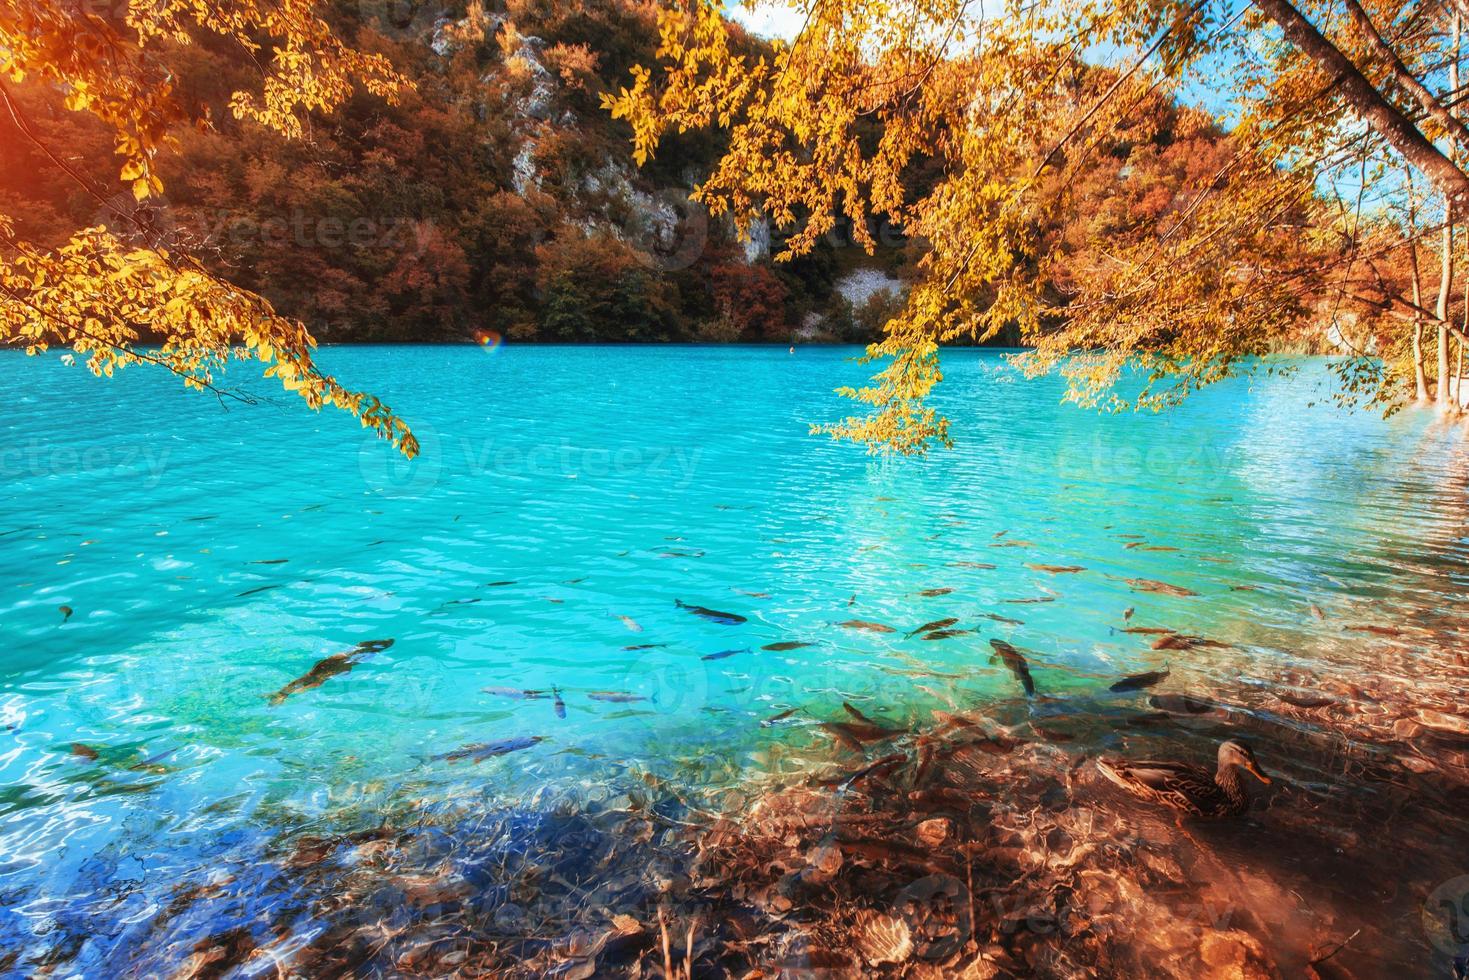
<point>211,552</point>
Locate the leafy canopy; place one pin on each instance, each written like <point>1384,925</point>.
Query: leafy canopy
<point>107,296</point>
<point>1025,135</point>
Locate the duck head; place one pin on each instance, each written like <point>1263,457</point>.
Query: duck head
<point>1236,753</point>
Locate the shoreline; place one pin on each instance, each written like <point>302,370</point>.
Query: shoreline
<point>982,843</point>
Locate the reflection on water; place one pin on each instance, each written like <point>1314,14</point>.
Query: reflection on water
<point>549,737</point>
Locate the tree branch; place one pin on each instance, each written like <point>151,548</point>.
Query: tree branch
<point>1405,78</point>
<point>1366,100</point>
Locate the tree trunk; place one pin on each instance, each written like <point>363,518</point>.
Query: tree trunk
<point>1445,283</point>
<point>1459,377</point>
<point>1420,376</point>
<point>1446,271</point>
<point>1384,117</point>
<point>1401,74</point>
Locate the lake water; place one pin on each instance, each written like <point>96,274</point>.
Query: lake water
<point>565,501</point>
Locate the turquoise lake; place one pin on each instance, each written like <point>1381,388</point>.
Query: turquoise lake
<point>565,501</point>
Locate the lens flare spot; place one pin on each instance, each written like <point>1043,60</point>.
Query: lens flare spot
<point>489,340</point>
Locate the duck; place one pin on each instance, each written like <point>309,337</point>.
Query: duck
<point>1191,790</point>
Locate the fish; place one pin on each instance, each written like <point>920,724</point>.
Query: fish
<point>631,623</point>
<point>65,611</point>
<point>1057,569</point>
<point>1015,660</point>
<point>1153,585</point>
<point>1127,613</point>
<point>1157,547</point>
<point>256,590</point>
<point>1004,619</point>
<point>514,693</point>
<point>850,709</point>
<point>83,751</point>
<point>838,730</point>
<point>1180,641</point>
<point>1304,700</point>
<point>480,751</point>
<point>1031,601</point>
<point>682,554</point>
<point>1001,534</point>
<point>869,626</point>
<point>785,645</point>
<point>858,732</point>
<point>558,704</point>
<point>373,646</point>
<point>971,564</point>
<point>779,717</point>
<point>1136,682</point>
<point>616,697</point>
<point>1373,628</point>
<point>496,585</point>
<point>935,592</point>
<point>1148,630</point>
<point>945,634</point>
<point>1013,543</point>
<point>645,646</point>
<point>153,764</point>
<point>1244,588</point>
<point>937,624</point>
<point>271,561</point>
<point>724,653</point>
<point>922,669</point>
<point>951,720</point>
<point>842,783</point>
<point>1183,704</point>
<point>324,670</point>
<point>752,595</point>
<point>713,615</point>
<point>1316,611</point>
